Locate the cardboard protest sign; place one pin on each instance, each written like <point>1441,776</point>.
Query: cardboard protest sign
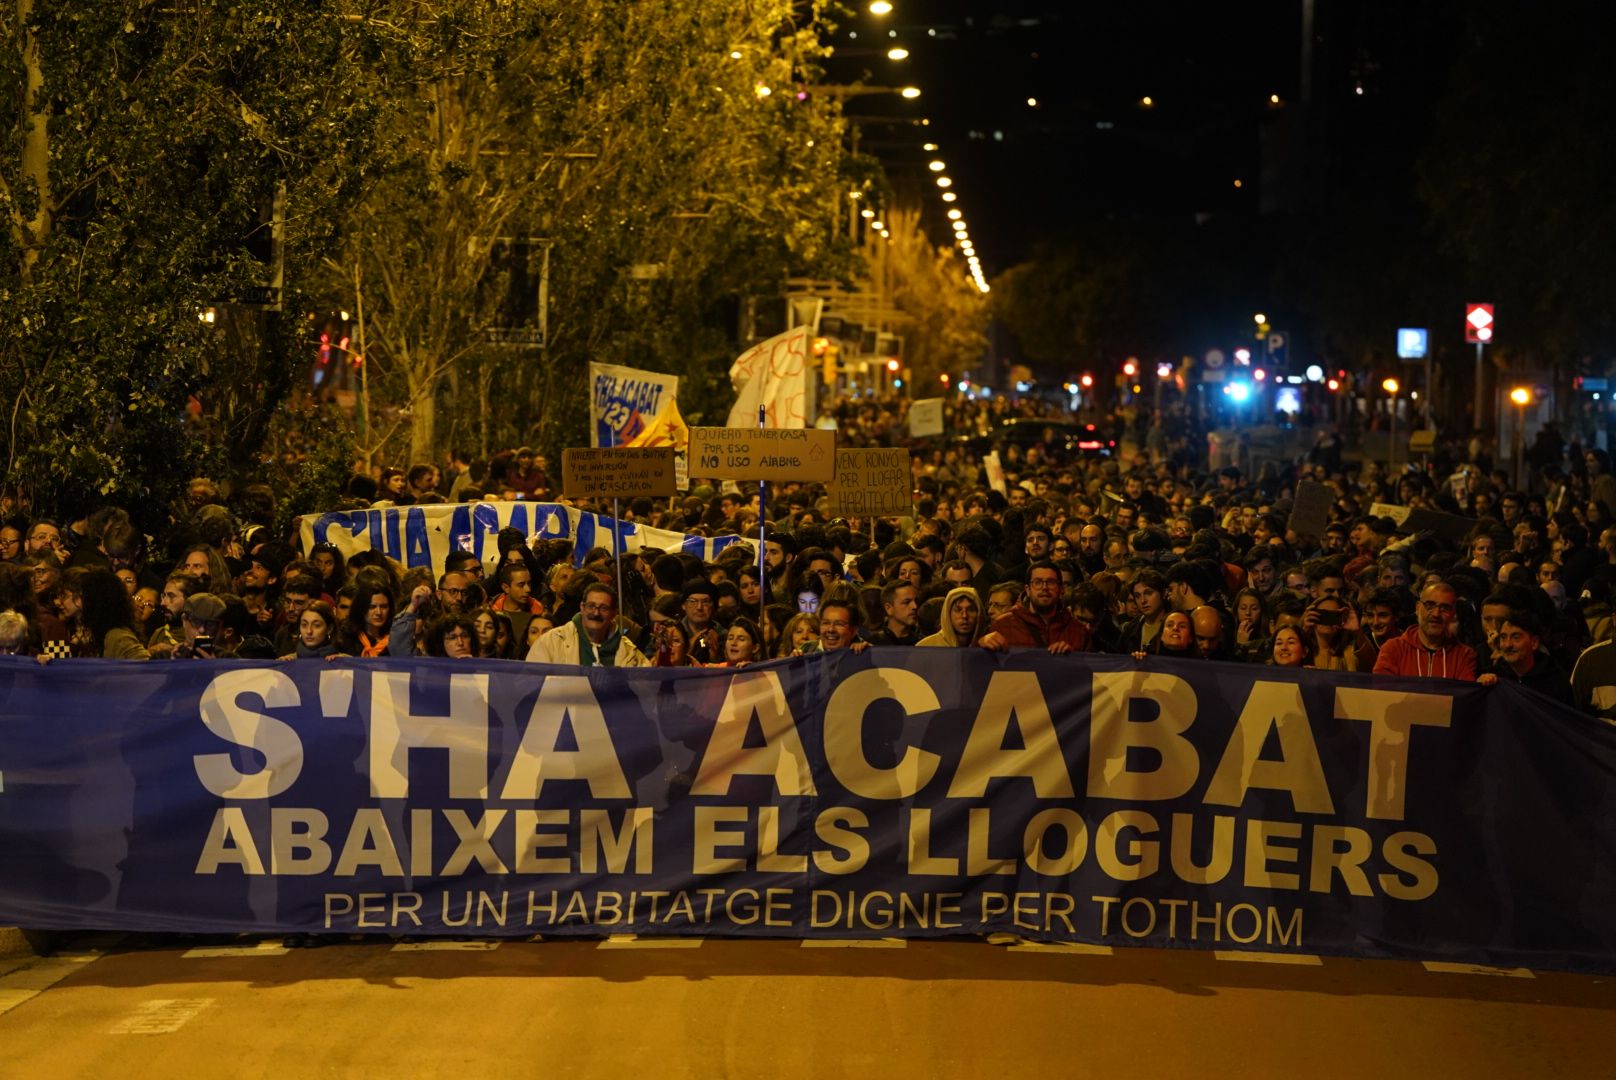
<point>618,473</point>
<point>779,454</point>
<point>926,418</point>
<point>872,483</point>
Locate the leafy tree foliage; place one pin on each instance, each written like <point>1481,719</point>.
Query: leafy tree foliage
<point>635,142</point>
<point>143,146</point>
<point>930,284</point>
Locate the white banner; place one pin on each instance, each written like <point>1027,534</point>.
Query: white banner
<point>623,401</point>
<point>773,376</point>
<point>424,535</point>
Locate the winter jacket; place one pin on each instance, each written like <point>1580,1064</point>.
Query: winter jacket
<point>1407,655</point>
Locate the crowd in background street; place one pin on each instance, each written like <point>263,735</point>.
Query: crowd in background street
<point>1147,552</point>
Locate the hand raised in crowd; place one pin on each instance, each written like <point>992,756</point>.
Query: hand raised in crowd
<point>421,595</point>
<point>992,640</point>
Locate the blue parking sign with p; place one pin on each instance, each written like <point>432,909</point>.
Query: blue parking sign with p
<point>1413,343</point>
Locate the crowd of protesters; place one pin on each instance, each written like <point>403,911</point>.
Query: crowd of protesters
<point>1143,553</point>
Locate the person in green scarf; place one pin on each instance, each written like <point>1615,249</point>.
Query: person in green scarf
<point>591,638</point>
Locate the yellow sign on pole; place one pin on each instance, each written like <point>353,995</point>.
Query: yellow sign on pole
<point>618,472</point>
<point>778,454</point>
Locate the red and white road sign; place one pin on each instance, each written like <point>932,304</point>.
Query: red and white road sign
<point>1478,323</point>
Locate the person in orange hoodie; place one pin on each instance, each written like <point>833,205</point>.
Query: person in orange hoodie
<point>1428,649</point>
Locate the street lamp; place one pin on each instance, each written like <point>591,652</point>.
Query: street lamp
<point>1391,387</point>
<point>1521,396</point>
<point>880,7</point>
<point>897,52</point>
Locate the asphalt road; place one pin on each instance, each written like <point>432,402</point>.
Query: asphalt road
<point>131,1009</point>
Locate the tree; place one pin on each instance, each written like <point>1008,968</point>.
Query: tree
<point>1113,288</point>
<point>931,285</point>
<point>1518,174</point>
<point>633,142</point>
<point>143,148</point>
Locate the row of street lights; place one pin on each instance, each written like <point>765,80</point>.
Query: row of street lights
<point>944,182</point>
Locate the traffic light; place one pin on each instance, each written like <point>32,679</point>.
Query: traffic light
<point>1130,367</point>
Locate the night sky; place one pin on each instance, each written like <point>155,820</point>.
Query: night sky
<point>1091,148</point>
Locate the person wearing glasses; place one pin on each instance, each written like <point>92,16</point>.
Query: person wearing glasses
<point>1039,621</point>
<point>590,638</point>
<point>453,636</point>
<point>698,603</point>
<point>452,590</point>
<point>1428,649</point>
<point>10,542</point>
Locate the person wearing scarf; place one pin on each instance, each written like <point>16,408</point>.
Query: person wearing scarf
<point>591,638</point>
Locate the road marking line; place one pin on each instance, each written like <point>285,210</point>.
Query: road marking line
<point>1062,948</point>
<point>630,941</point>
<point>446,946</point>
<point>1241,957</point>
<point>36,978</point>
<point>160,1016</point>
<point>854,943</point>
<point>269,947</point>
<point>1442,967</point>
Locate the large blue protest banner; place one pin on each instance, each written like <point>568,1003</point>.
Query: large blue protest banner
<point>425,535</point>
<point>897,792</point>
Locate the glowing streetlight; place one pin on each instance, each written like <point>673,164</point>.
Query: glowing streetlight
<point>880,7</point>
<point>866,214</point>
<point>910,92</point>
<point>949,196</point>
<point>1032,103</point>
<point>1148,102</point>
<point>1391,386</point>
<point>953,215</point>
<point>1259,318</point>
<point>936,166</point>
<point>1522,397</point>
<point>944,182</point>
<point>897,52</point>
<point>929,147</point>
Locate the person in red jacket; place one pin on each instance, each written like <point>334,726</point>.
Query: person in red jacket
<point>1039,621</point>
<point>1428,649</point>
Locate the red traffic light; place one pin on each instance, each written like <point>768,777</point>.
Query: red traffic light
<point>1087,380</point>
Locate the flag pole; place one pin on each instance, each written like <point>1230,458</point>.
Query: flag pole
<point>763,540</point>
<point>617,548</point>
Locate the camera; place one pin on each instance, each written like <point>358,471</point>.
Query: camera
<point>1331,618</point>
<point>202,643</point>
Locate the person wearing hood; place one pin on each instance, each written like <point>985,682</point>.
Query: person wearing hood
<point>590,638</point>
<point>1039,621</point>
<point>962,618</point>
<point>1522,659</point>
<point>1428,649</point>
